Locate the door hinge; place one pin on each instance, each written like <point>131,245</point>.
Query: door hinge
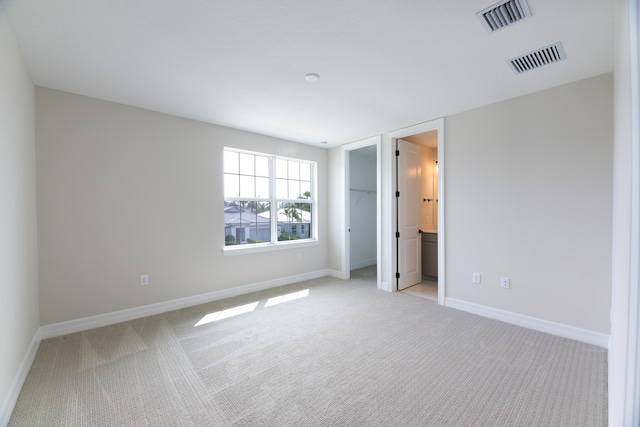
<point>397,275</point>
<point>397,234</point>
<point>397,153</point>
<point>397,194</point>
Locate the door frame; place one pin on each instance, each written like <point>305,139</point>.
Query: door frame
<point>437,125</point>
<point>346,254</point>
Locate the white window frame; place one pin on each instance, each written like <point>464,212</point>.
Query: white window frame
<point>273,202</point>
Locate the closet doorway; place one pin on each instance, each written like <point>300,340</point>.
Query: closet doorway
<point>362,184</point>
<point>362,207</point>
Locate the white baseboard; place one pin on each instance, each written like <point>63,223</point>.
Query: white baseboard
<point>337,274</point>
<point>541,325</point>
<point>14,390</point>
<point>106,319</point>
<point>363,264</point>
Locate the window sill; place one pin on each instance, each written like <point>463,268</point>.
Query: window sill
<point>256,248</point>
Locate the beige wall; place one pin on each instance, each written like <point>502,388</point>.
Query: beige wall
<point>124,191</point>
<point>528,196</point>
<point>18,240</point>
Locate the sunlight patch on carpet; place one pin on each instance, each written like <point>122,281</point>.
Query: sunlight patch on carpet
<point>229,312</point>
<point>288,297</point>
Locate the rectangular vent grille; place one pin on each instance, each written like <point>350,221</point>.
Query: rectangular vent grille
<point>538,58</point>
<point>503,14</point>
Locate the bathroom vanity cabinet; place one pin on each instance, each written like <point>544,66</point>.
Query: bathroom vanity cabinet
<point>430,254</point>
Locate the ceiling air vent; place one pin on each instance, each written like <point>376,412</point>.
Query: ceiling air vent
<point>537,58</point>
<point>503,14</point>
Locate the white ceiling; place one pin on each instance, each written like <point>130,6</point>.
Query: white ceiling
<point>384,64</point>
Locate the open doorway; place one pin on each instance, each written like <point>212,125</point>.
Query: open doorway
<point>362,191</point>
<point>362,207</point>
<point>428,200</point>
<point>430,137</point>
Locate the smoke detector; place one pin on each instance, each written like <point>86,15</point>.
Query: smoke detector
<point>503,14</point>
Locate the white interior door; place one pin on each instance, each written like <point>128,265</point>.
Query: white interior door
<point>408,214</point>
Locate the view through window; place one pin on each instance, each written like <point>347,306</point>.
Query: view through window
<point>267,199</point>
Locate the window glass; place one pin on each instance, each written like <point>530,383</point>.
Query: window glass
<point>247,186</point>
<point>252,214</point>
<point>282,189</point>
<point>305,189</point>
<point>294,170</point>
<point>262,188</point>
<point>262,166</point>
<point>231,185</point>
<point>246,222</point>
<point>247,164</point>
<point>231,162</point>
<point>305,171</point>
<point>292,217</point>
<point>281,168</point>
<point>294,189</point>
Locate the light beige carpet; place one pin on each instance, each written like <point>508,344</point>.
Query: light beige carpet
<point>340,354</point>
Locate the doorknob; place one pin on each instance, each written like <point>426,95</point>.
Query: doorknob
<point>419,231</point>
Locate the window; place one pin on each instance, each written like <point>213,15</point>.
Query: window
<point>268,200</point>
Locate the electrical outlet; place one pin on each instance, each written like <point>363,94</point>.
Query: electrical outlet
<point>144,279</point>
<point>505,283</point>
<point>476,278</point>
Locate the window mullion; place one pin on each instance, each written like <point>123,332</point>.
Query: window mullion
<point>272,196</point>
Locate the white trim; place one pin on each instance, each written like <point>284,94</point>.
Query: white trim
<point>442,167</point>
<point>535,323</point>
<point>345,182</point>
<point>106,319</point>
<point>379,253</point>
<point>267,247</point>
<point>387,213</point>
<point>632,395</point>
<point>335,273</point>
<point>624,352</point>
<point>18,381</point>
<point>362,264</point>
<point>437,125</point>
